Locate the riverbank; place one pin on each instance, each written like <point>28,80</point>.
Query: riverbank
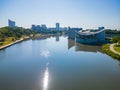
<point>112,48</point>
<point>41,36</point>
<point>44,36</point>
<point>17,41</point>
<point>37,36</point>
<point>117,48</point>
<point>108,49</point>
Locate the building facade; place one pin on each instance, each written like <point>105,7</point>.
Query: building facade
<point>57,26</point>
<point>91,36</point>
<point>39,28</point>
<point>43,27</point>
<point>72,32</point>
<point>11,23</point>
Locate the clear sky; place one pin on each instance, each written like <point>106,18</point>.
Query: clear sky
<point>75,13</point>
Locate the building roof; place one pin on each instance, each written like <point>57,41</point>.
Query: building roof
<point>89,32</point>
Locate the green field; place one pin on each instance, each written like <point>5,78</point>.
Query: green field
<point>106,49</point>
<point>7,41</point>
<point>117,48</point>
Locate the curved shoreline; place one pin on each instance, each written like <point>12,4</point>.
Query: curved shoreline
<point>15,42</point>
<point>22,39</point>
<point>108,51</point>
<point>112,49</point>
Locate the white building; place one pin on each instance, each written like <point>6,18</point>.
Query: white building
<point>91,36</point>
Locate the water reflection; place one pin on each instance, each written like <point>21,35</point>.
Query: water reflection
<point>119,64</point>
<point>57,38</point>
<point>82,47</point>
<point>45,53</point>
<point>68,70</point>
<point>46,78</point>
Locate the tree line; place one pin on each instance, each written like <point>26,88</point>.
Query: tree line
<point>16,32</point>
<point>109,31</point>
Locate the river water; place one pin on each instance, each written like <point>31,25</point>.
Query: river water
<point>57,63</point>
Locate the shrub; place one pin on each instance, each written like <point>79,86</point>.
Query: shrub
<point>2,39</point>
<point>115,39</point>
<point>119,42</point>
<point>1,43</point>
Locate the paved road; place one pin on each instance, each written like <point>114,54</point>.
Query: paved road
<point>112,49</point>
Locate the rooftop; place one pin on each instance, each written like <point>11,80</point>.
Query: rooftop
<point>89,32</point>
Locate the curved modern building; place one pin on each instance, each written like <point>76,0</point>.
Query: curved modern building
<point>72,32</point>
<point>91,36</point>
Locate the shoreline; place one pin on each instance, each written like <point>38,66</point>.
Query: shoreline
<point>107,50</point>
<point>113,50</point>
<point>43,36</point>
<point>15,42</point>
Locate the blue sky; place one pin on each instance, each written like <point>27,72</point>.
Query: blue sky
<point>74,13</point>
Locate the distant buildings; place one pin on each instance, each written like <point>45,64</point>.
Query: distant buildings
<point>43,27</point>
<point>51,29</point>
<point>63,28</point>
<point>39,28</point>
<point>60,29</point>
<point>72,31</point>
<point>57,26</point>
<point>11,23</point>
<point>33,27</point>
<point>101,28</point>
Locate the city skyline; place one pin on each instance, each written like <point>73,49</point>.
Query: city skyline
<point>82,13</point>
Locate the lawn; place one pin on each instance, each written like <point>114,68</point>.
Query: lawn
<point>106,49</point>
<point>117,48</point>
<point>7,41</point>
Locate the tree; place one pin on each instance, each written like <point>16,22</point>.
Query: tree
<point>118,43</point>
<point>109,31</point>
<point>115,39</point>
<point>16,32</point>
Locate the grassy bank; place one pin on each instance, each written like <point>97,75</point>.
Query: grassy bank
<point>106,49</point>
<point>7,41</point>
<point>117,48</point>
<point>11,41</point>
<point>10,35</point>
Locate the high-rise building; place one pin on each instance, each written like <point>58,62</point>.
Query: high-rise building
<point>57,26</point>
<point>38,28</point>
<point>101,28</point>
<point>11,23</point>
<point>43,27</point>
<point>33,27</point>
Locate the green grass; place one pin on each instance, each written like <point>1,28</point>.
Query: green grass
<point>117,48</point>
<point>106,49</point>
<point>7,41</point>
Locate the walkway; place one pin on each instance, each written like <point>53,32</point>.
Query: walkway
<point>113,50</point>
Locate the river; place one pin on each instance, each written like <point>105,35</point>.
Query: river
<point>57,63</point>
